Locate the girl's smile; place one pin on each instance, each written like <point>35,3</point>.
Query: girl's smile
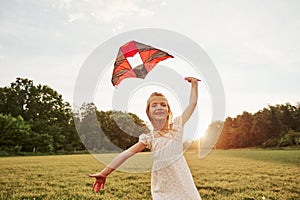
<point>158,110</point>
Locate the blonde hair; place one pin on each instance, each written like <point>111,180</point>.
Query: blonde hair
<point>169,122</point>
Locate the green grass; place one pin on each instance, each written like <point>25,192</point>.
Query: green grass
<point>230,174</point>
<point>248,174</point>
<point>278,156</point>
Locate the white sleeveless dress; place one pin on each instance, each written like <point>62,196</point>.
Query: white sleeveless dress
<point>171,178</point>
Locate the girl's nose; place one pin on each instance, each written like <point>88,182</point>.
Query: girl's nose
<point>159,106</point>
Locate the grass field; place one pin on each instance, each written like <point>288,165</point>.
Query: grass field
<point>230,174</point>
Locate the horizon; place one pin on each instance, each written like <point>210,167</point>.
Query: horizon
<point>254,45</point>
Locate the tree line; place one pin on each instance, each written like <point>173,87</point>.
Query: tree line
<point>107,131</point>
<point>274,126</point>
<point>34,118</point>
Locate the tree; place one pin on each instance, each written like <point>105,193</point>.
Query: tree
<point>211,136</point>
<point>297,116</point>
<point>14,133</point>
<point>121,128</point>
<point>276,129</point>
<point>88,127</point>
<point>225,137</point>
<point>288,116</point>
<point>45,111</point>
<point>103,131</point>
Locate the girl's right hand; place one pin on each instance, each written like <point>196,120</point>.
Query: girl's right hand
<point>99,182</point>
<point>191,79</point>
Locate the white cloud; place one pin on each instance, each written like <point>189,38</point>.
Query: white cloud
<point>118,28</point>
<point>104,11</point>
<point>163,3</point>
<point>75,16</point>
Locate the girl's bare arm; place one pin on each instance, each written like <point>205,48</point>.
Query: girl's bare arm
<point>100,178</point>
<point>120,159</point>
<point>193,100</point>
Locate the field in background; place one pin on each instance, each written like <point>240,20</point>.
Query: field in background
<point>230,174</point>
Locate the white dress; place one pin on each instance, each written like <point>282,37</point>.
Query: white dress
<point>171,177</point>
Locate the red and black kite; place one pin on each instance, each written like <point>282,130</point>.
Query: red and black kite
<point>135,60</point>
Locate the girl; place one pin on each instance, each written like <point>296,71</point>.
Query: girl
<point>171,177</point>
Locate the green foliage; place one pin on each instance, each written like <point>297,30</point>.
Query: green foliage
<point>122,128</point>
<point>50,122</point>
<point>272,142</point>
<point>106,131</point>
<point>43,109</point>
<point>36,119</point>
<point>13,131</point>
<point>273,126</point>
<point>289,139</point>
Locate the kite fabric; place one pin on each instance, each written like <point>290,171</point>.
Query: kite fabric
<point>146,58</point>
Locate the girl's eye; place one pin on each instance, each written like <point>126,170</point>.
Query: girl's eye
<point>156,104</point>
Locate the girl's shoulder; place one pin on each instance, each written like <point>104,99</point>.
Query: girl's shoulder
<point>177,123</point>
<point>145,138</point>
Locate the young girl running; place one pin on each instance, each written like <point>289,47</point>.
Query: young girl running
<point>171,177</point>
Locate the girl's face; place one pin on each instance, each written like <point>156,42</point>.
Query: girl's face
<point>158,110</point>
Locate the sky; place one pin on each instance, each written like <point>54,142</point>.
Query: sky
<point>254,44</point>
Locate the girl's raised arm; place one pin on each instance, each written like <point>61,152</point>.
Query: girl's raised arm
<point>114,164</point>
<point>193,100</point>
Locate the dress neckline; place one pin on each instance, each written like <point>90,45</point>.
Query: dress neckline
<point>162,136</point>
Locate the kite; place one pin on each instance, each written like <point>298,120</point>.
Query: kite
<point>136,60</point>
